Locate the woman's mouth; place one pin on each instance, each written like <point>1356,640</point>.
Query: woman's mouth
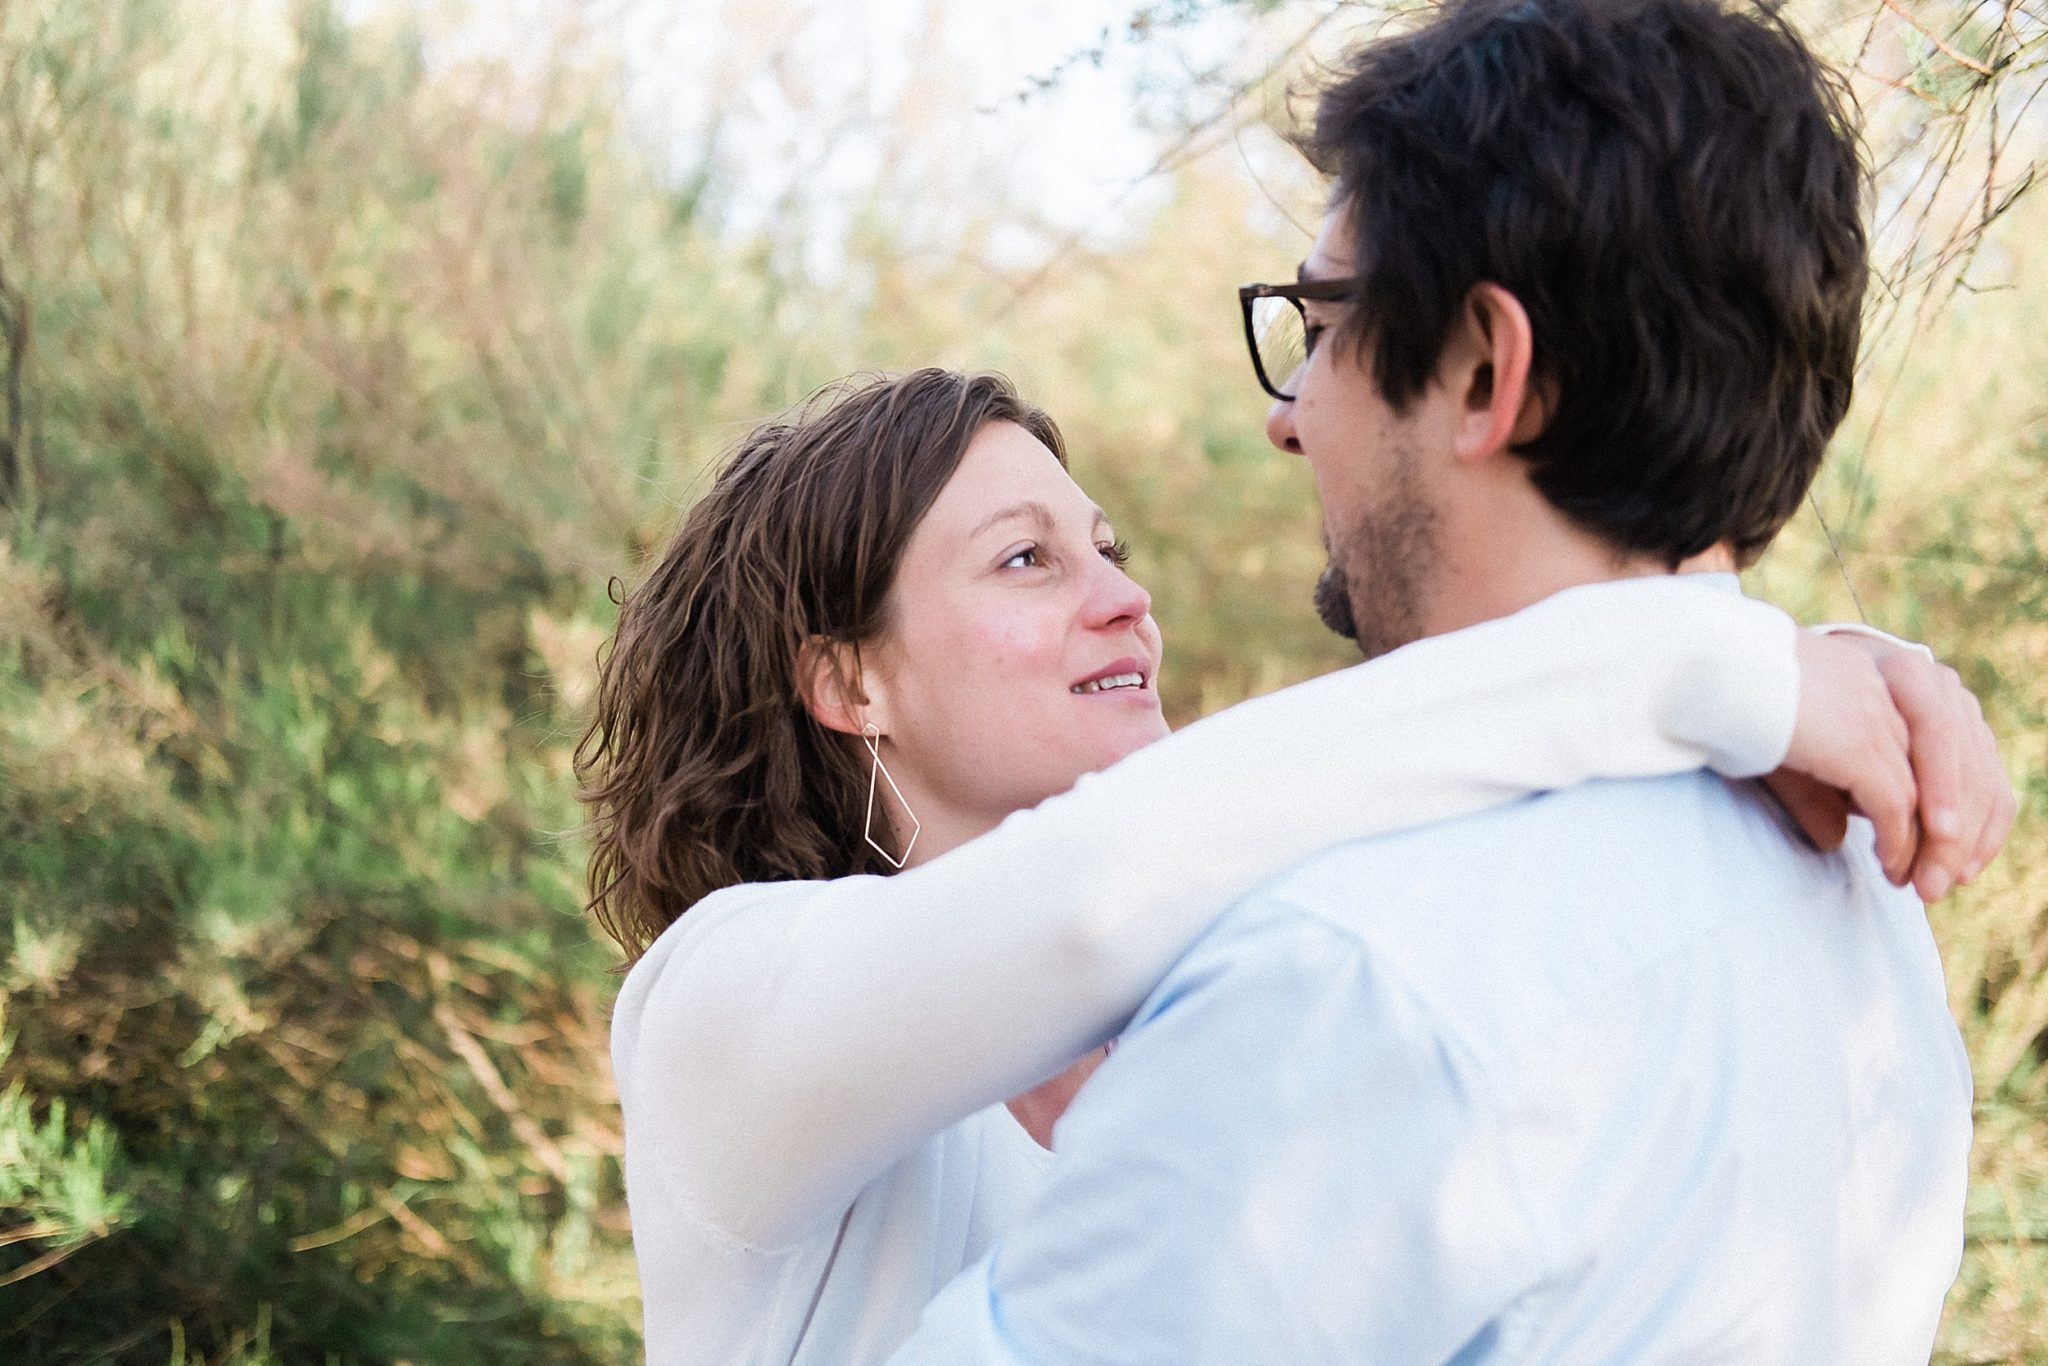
<point>1129,674</point>
<point>1106,684</point>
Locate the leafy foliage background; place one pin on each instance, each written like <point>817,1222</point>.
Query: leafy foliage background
<point>339,375</point>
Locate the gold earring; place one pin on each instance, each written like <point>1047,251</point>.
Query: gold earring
<point>872,734</point>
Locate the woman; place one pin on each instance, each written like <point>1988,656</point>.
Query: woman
<point>894,633</point>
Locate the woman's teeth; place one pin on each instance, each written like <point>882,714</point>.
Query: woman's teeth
<point>1113,681</point>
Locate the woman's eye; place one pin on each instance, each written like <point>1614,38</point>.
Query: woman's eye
<point>1028,557</point>
<point>1117,553</point>
<point>1310,337</point>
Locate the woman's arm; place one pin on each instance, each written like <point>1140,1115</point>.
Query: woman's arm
<point>792,1048</point>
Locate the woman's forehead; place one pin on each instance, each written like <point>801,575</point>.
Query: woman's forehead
<point>1009,474</point>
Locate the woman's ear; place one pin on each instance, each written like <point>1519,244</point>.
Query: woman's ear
<point>828,674</point>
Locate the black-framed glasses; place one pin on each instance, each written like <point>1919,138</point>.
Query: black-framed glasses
<point>1276,326</point>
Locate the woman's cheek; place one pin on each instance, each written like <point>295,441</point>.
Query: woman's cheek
<point>1019,648</point>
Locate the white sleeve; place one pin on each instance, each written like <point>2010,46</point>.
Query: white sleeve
<point>1857,628</point>
<point>792,1050</point>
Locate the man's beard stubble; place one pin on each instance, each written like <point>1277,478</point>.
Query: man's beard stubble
<point>1372,590</point>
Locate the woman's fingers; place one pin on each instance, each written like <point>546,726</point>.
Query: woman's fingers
<point>1967,803</point>
<point>1850,735</point>
<point>1939,711</point>
<point>1908,743</point>
<point>1886,793</point>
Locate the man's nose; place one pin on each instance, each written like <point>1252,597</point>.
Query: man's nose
<point>1280,422</point>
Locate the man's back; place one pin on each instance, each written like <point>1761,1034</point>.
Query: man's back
<point>1618,1074</point>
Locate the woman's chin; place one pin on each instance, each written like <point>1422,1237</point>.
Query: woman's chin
<point>1102,747</point>
<point>1136,731</point>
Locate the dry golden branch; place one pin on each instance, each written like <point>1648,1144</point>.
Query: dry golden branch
<point>347,1228</point>
<point>487,1076</point>
<point>1942,45</point>
<point>26,1231</point>
<point>51,1258</point>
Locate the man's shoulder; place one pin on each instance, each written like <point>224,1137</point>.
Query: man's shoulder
<point>1618,837</point>
<point>1531,906</point>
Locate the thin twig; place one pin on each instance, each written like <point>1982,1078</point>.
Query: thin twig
<point>347,1228</point>
<point>1939,42</point>
<point>52,1257</point>
<point>15,1235</point>
<point>1167,160</point>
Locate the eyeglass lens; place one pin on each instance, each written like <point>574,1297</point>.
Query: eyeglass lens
<point>1278,332</point>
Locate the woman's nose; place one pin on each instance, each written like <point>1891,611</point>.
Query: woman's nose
<point>1117,597</point>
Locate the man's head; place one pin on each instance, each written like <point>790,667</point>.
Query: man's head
<point>1609,264</point>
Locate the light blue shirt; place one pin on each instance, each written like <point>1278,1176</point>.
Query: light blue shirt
<point>1621,1074</point>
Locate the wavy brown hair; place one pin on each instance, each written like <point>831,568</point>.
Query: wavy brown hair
<point>702,766</point>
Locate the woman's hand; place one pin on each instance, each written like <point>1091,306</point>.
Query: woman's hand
<point>1041,1107</point>
<point>1898,738</point>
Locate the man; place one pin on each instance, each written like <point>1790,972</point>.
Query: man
<point>1624,1073</point>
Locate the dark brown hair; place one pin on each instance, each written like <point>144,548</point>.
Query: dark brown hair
<point>702,766</point>
<point>1672,189</point>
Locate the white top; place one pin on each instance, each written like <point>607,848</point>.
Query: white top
<point>812,1073</point>
<point>1619,1074</point>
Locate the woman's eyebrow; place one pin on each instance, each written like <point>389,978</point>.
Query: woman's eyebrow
<point>1030,509</point>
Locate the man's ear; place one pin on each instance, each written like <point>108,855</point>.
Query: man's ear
<point>1500,406</point>
<point>828,674</point>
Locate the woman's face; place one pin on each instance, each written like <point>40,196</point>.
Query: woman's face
<point>1018,654</point>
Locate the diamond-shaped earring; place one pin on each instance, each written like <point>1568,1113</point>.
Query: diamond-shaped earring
<point>872,734</point>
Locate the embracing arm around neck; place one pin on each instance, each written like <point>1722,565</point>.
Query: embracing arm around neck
<point>785,1043</point>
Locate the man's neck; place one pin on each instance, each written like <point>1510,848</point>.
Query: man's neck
<point>1497,565</point>
<point>1713,560</point>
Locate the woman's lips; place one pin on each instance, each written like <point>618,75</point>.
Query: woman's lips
<point>1129,675</point>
